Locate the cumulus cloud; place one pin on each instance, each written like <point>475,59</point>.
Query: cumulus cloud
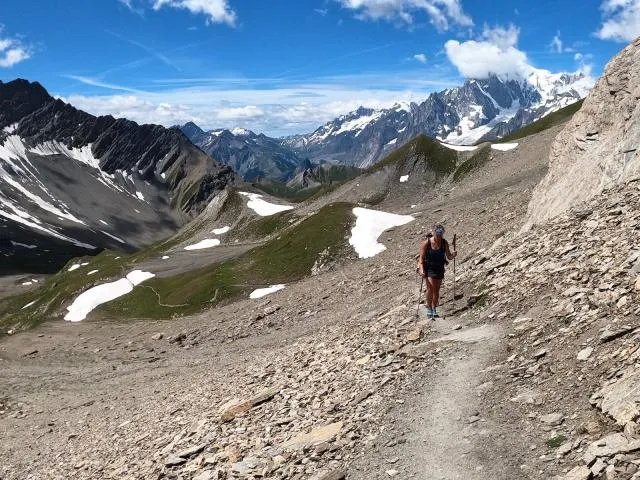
<point>442,14</point>
<point>12,51</point>
<point>216,11</point>
<point>420,57</point>
<point>494,52</point>
<point>621,20</point>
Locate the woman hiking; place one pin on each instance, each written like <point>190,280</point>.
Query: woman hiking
<point>433,255</point>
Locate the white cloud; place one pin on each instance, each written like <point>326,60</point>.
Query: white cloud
<point>216,11</point>
<point>285,108</point>
<point>420,57</point>
<point>129,4</point>
<point>12,51</point>
<point>495,52</point>
<point>621,20</point>
<point>246,112</point>
<point>556,44</point>
<point>442,14</point>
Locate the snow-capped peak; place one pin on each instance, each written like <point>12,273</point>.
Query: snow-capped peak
<point>241,132</point>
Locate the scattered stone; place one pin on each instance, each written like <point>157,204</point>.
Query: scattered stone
<point>552,419</point>
<point>174,460</point>
<point>235,407</point>
<point>392,473</point>
<point>191,451</point>
<point>610,333</point>
<point>337,474</point>
<point>457,327</point>
<point>577,473</point>
<point>620,398</point>
<point>540,353</point>
<point>157,336</point>
<point>609,446</point>
<point>414,335</point>
<point>316,436</point>
<point>585,353</point>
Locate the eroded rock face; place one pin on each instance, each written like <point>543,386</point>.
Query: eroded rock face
<point>599,146</point>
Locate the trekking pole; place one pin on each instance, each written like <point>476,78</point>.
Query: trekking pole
<point>419,295</point>
<point>454,272</point>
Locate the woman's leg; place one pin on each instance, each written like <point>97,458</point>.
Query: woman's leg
<point>435,291</point>
<point>429,291</point>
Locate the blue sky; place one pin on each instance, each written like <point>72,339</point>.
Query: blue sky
<point>283,66</point>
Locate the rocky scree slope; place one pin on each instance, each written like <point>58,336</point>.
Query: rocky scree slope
<point>600,146</point>
<point>73,183</point>
<point>568,291</point>
<point>480,110</point>
<point>296,385</point>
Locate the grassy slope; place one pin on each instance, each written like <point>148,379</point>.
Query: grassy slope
<point>284,259</point>
<point>330,178</point>
<point>440,159</point>
<point>479,158</point>
<point>551,120</point>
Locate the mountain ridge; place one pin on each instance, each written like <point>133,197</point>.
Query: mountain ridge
<point>479,110</point>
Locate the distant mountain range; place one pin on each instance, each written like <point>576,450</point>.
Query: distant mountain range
<point>251,155</point>
<point>75,183</point>
<point>479,110</point>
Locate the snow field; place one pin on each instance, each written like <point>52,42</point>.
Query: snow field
<point>88,300</point>
<point>369,226</point>
<point>262,207</point>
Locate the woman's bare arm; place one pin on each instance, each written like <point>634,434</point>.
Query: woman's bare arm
<point>423,254</point>
<point>450,255</point>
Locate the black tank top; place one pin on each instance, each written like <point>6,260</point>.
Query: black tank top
<point>436,259</point>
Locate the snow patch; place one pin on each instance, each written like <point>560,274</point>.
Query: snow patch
<point>73,267</point>
<point>220,231</point>
<point>207,243</point>
<point>10,128</point>
<point>459,148</point>
<point>261,292</point>
<point>95,296</point>
<point>392,142</point>
<point>263,208</point>
<point>103,222</point>
<point>23,245</point>
<point>369,226</point>
<point>140,195</point>
<point>404,178</point>
<point>92,272</point>
<point>18,215</point>
<point>117,239</point>
<point>28,305</point>
<point>241,131</point>
<point>166,257</point>
<point>503,147</point>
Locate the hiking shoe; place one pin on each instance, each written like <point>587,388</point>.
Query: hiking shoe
<point>434,314</point>
<point>429,312</point>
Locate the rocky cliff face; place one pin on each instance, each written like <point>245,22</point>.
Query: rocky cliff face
<point>71,182</point>
<point>599,147</point>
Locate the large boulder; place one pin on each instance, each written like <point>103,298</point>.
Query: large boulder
<point>599,146</point>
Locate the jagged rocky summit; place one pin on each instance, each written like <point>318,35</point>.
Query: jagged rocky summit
<point>75,183</point>
<point>481,109</point>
